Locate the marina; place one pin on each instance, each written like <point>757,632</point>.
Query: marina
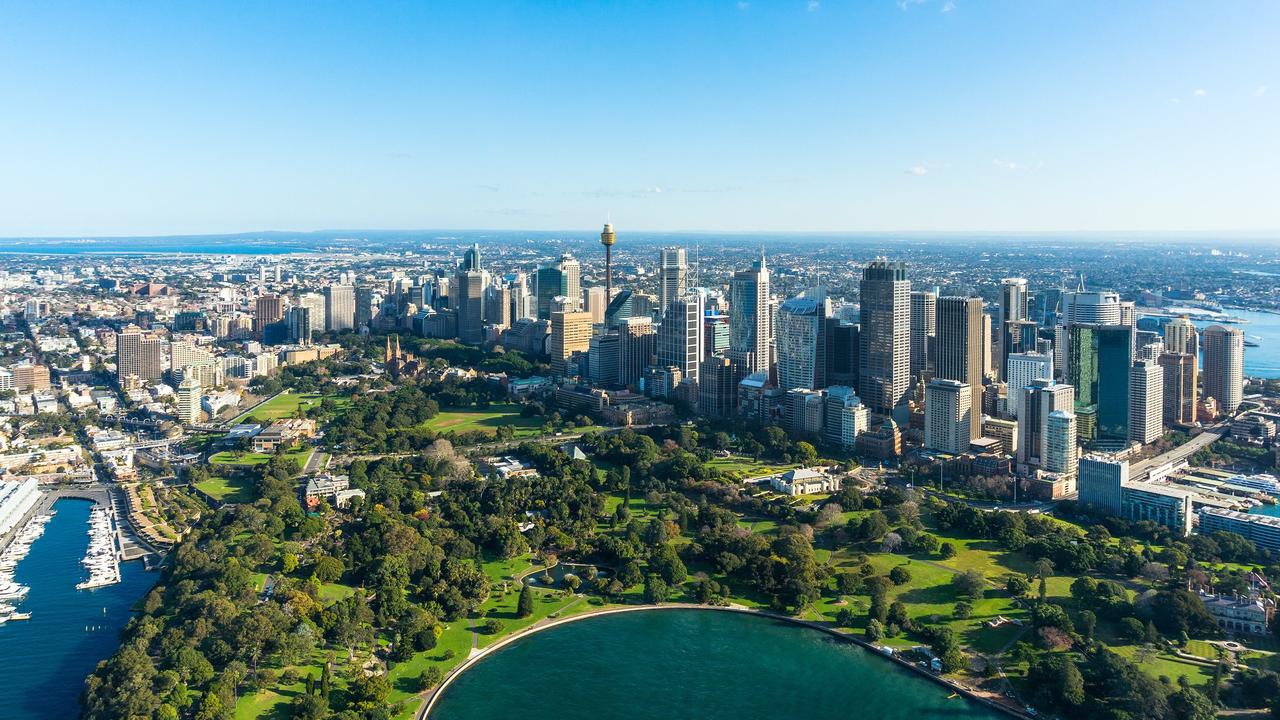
<point>59,631</point>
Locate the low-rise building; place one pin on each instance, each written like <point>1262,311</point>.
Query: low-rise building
<point>333,489</point>
<point>283,433</point>
<point>805,481</point>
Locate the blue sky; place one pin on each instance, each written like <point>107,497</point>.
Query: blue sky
<point>158,118</point>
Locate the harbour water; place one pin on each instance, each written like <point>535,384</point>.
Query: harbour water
<point>692,663</point>
<point>70,630</point>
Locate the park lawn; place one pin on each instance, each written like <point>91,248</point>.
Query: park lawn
<point>451,650</point>
<point>228,489</point>
<point>486,420</point>
<point>1165,664</point>
<point>741,467</point>
<point>331,593</point>
<point>499,571</point>
<point>286,405</point>
<point>301,454</point>
<point>504,608</point>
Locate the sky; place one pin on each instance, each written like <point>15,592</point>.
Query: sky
<point>139,118</point>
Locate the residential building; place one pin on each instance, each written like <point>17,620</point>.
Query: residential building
<point>1224,366</point>
<point>1146,402</point>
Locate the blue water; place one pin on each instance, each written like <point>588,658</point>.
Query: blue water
<point>47,658</point>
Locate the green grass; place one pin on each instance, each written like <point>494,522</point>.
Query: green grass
<point>286,405</point>
<point>228,489</point>
<point>300,453</point>
<point>487,421</point>
<point>740,467</point>
<point>1168,665</point>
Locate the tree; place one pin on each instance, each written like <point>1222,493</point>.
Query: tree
<point>900,575</point>
<point>1017,586</point>
<point>429,678</point>
<point>875,630</point>
<point>962,611</point>
<point>1055,681</point>
<point>947,551</point>
<point>655,590</point>
<point>524,606</point>
<point>369,692</point>
<point>970,584</point>
<point>1044,568</point>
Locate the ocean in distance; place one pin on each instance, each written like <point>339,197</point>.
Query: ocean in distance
<point>49,656</point>
<point>704,664</point>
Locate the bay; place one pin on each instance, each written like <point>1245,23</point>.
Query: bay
<point>692,664</point>
<point>48,657</point>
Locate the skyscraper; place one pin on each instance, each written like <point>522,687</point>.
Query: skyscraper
<point>960,346</point>
<point>188,396</point>
<point>1041,398</point>
<point>267,309</point>
<point>635,348</point>
<point>801,341</point>
<point>1180,392</point>
<point>1022,369</point>
<point>367,307</point>
<point>1101,482</point>
<point>750,326</point>
<point>471,258</point>
<point>884,355</point>
<point>845,417</point>
<point>717,387</point>
<point>1098,367</point>
<point>1013,299</point>
<point>138,354</point>
<point>570,333</point>
<point>673,271</point>
<point>924,319</point>
<point>595,300</point>
<point>1180,336</point>
<point>339,308</point>
<point>1060,443</point>
<point>948,405</point>
<point>1146,404</point>
<point>468,299</point>
<point>680,341</point>
<point>315,304</point>
<point>1224,366</point>
<point>560,279</point>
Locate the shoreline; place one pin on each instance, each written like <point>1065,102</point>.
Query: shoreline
<point>423,712</point>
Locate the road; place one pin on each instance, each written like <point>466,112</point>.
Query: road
<point>1140,470</point>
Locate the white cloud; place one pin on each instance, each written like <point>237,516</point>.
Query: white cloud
<point>917,170</point>
<point>905,4</point>
<point>744,5</point>
<point>1014,166</point>
<point>1199,92</point>
<point>948,6</point>
<point>1262,90</point>
<point>813,6</point>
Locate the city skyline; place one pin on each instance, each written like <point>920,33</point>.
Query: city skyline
<point>821,117</point>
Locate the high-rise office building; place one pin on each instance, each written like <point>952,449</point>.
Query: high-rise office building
<point>314,302</point>
<point>924,323</point>
<point>1224,366</point>
<point>1180,391</point>
<point>801,341</point>
<point>884,355</point>
<point>1146,402</point>
<point>188,397</point>
<point>717,387</point>
<point>750,324</point>
<point>845,417</point>
<point>139,355</point>
<point>1022,369</point>
<point>300,324</point>
<point>267,309</point>
<point>1099,307</point>
<point>1101,482</point>
<point>1180,336</point>
<point>570,333</point>
<point>948,405</point>
<point>497,304</point>
<point>803,411</point>
<point>680,341</point>
<point>603,358</point>
<point>471,258</point>
<point>1060,443</point>
<point>959,351</point>
<point>468,299</point>
<point>842,353</point>
<point>1014,299</point>
<point>339,308</point>
<point>673,272</point>
<point>1016,336</point>
<point>594,301</point>
<point>1098,367</point>
<point>635,348</point>
<point>368,304</point>
<point>561,279</point>
<point>1040,399</point>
